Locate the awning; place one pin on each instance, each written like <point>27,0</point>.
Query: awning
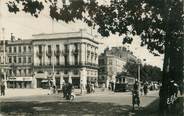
<point>44,81</point>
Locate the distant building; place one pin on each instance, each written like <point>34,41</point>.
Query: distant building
<point>112,62</point>
<point>52,58</point>
<point>20,64</point>
<point>3,61</point>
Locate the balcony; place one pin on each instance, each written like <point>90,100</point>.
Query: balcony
<point>49,53</point>
<point>57,53</point>
<point>39,54</point>
<point>65,52</point>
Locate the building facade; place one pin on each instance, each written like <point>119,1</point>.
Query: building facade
<point>112,62</point>
<point>19,64</point>
<point>3,61</point>
<point>52,59</point>
<point>65,57</point>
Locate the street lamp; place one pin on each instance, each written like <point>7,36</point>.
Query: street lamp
<point>139,71</point>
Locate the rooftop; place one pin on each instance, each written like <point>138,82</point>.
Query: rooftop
<point>79,34</point>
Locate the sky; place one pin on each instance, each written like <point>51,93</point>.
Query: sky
<point>24,26</point>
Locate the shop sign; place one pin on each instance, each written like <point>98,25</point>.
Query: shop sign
<point>27,79</point>
<point>11,78</point>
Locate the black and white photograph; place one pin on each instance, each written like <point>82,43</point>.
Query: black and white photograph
<point>91,57</point>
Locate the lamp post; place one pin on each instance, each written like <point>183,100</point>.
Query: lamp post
<point>139,74</point>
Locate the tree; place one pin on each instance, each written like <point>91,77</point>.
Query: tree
<point>147,72</point>
<point>131,69</point>
<point>159,23</point>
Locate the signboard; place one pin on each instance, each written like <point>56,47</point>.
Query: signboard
<point>20,79</point>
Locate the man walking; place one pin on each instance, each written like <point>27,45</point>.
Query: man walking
<point>2,90</point>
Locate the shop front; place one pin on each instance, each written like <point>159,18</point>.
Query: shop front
<point>19,82</point>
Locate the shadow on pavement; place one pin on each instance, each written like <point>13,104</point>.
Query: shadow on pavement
<point>153,109</point>
<point>64,108</point>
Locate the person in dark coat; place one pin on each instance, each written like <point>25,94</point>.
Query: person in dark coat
<point>64,90</point>
<point>2,90</point>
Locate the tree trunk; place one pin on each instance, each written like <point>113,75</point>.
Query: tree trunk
<point>173,62</point>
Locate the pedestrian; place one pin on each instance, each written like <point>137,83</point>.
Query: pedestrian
<point>54,89</point>
<point>145,88</point>
<point>141,89</point>
<point>68,90</point>
<point>92,88</point>
<point>88,87</point>
<point>181,89</point>
<point>135,95</point>
<point>2,90</point>
<point>103,87</point>
<point>64,90</point>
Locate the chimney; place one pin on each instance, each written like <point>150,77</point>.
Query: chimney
<point>12,37</point>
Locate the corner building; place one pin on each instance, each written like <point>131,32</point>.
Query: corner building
<point>62,57</point>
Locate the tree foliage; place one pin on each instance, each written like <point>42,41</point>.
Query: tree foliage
<point>147,72</point>
<point>146,18</point>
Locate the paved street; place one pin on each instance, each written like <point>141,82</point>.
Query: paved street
<point>38,102</point>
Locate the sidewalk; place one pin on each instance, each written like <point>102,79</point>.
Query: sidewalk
<point>24,92</point>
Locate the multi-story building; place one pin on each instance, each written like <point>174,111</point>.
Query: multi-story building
<point>56,58</point>
<point>19,72</point>
<point>3,61</point>
<point>66,57</point>
<point>112,62</point>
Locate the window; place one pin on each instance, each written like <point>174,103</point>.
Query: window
<point>66,60</point>
<point>19,71</point>
<point>19,59</point>
<point>24,71</point>
<point>29,60</point>
<point>110,61</point>
<point>10,59</point>
<point>49,48</point>
<point>19,49</point>
<point>66,72</point>
<point>15,59</point>
<point>76,59</point>
<point>40,48</point>
<point>101,62</point>
<point>57,47</point>
<point>10,72</point>
<point>57,60</point>
<point>15,72</point>
<point>24,48</point>
<point>10,49</point>
<point>75,72</point>
<point>15,49</point>
<point>29,71</point>
<point>24,60</point>
<point>57,72</point>
<point>29,48</point>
